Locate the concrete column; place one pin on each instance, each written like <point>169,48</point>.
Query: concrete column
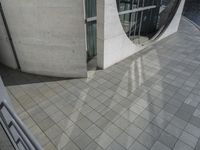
<point>173,26</point>
<point>113,45</point>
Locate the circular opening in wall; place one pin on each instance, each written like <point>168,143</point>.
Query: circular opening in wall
<point>145,20</point>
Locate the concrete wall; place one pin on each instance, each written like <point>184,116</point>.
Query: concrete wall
<point>49,36</point>
<point>173,26</point>
<point>6,54</point>
<point>113,45</point>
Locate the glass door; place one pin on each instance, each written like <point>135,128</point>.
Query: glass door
<point>91,29</point>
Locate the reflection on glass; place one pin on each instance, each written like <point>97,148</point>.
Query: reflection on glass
<point>142,19</point>
<point>91,39</point>
<point>90,6</point>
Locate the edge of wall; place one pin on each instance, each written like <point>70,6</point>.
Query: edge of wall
<point>49,36</point>
<point>174,24</point>
<point>6,53</point>
<point>113,45</point>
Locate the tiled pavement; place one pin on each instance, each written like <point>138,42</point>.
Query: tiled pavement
<point>147,102</point>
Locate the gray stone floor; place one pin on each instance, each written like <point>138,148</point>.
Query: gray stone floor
<point>15,77</point>
<point>147,102</point>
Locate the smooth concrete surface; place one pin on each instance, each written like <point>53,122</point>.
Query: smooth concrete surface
<point>173,26</point>
<point>6,54</point>
<point>113,45</point>
<point>3,93</point>
<point>49,36</point>
<point>149,101</point>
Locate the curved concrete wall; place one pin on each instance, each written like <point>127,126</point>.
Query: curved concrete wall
<point>6,54</point>
<point>49,36</point>
<point>173,26</point>
<point>113,45</point>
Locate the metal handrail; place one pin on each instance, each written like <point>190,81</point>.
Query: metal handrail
<point>136,10</point>
<point>27,139</point>
<point>20,141</point>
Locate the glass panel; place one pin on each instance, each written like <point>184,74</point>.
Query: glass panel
<point>91,39</point>
<point>166,10</point>
<point>192,10</point>
<point>90,6</point>
<point>124,5</point>
<point>142,25</point>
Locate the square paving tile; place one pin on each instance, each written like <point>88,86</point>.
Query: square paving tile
<point>133,131</point>
<point>104,140</point>
<point>153,130</point>
<point>102,123</point>
<point>84,123</point>
<point>73,131</point>
<point>93,116</point>
<point>113,131</point>
<point>82,141</point>
<point>182,146</point>
<point>195,121</point>
<point>168,139</point>
<point>146,139</point>
<point>159,146</point>
<point>122,123</point>
<point>193,130</point>
<point>173,130</point>
<point>115,146</point>
<point>93,146</point>
<point>141,122</point>
<point>137,146</point>
<point>93,131</point>
<point>185,112</point>
<point>189,139</point>
<point>71,145</point>
<point>53,131</point>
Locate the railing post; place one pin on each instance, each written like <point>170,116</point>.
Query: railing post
<point>28,141</point>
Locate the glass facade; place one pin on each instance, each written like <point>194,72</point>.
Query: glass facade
<point>192,10</point>
<point>90,6</point>
<point>142,19</point>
